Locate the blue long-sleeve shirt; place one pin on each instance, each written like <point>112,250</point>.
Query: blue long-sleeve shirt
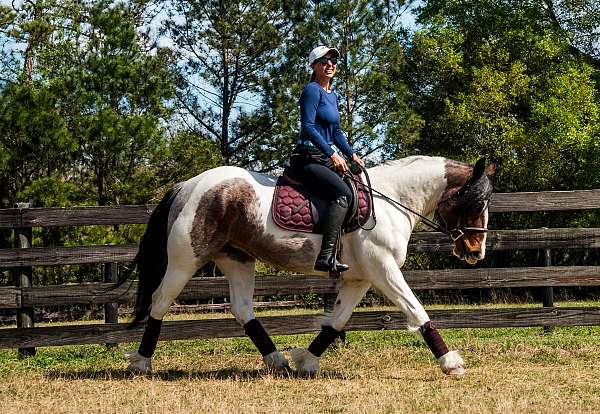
<point>320,120</point>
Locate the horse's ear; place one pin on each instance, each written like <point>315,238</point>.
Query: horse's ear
<point>478,169</point>
<point>490,169</point>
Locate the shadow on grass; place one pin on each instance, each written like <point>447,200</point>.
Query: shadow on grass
<point>176,375</point>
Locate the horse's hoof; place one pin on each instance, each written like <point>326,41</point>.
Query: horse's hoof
<point>456,372</point>
<point>452,364</point>
<point>276,363</point>
<point>306,363</point>
<point>138,364</point>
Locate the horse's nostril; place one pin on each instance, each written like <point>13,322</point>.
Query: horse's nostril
<point>475,255</point>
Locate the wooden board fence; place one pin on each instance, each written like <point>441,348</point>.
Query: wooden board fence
<point>205,288</point>
<point>498,240</point>
<point>27,297</point>
<point>81,216</point>
<point>298,324</point>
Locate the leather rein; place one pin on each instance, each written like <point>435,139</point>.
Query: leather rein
<point>454,234</point>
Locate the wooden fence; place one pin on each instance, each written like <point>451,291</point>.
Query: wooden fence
<point>23,297</point>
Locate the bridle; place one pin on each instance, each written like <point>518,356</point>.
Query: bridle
<point>459,231</point>
<point>455,234</point>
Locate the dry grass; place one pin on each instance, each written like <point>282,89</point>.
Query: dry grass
<point>510,370</point>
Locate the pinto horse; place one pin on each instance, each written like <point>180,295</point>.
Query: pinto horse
<point>224,215</point>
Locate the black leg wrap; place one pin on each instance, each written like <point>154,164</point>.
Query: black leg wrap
<point>150,338</point>
<point>433,339</point>
<point>257,334</point>
<point>323,340</point>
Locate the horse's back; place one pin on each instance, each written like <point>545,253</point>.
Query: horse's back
<point>210,201</point>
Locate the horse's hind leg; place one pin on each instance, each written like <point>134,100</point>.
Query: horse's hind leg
<point>388,278</point>
<point>350,294</point>
<point>176,277</point>
<point>239,271</point>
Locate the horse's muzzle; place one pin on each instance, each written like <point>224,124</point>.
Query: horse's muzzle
<point>467,253</point>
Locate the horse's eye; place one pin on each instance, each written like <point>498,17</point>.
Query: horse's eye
<point>476,209</point>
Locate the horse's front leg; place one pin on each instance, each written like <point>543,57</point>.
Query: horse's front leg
<point>240,274</point>
<point>388,278</point>
<point>350,294</point>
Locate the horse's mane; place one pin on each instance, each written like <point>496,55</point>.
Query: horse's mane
<point>406,161</point>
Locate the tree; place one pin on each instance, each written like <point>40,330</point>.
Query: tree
<point>373,97</point>
<point>375,114</point>
<point>225,48</point>
<point>579,22</point>
<point>34,140</point>
<point>497,79</point>
<point>82,103</point>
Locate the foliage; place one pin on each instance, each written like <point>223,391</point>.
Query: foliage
<point>224,48</point>
<point>495,79</point>
<point>93,112</point>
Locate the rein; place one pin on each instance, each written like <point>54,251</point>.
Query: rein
<point>454,234</point>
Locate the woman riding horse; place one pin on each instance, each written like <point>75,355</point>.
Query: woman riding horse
<point>314,157</point>
<point>225,215</point>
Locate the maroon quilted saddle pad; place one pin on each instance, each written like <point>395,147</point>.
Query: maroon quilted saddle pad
<point>295,209</point>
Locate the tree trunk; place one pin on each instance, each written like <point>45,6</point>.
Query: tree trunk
<point>225,108</point>
<point>32,43</point>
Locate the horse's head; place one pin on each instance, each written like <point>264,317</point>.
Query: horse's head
<point>463,209</point>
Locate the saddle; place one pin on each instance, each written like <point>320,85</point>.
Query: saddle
<point>295,208</point>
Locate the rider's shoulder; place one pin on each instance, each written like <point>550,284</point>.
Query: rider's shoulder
<point>312,88</point>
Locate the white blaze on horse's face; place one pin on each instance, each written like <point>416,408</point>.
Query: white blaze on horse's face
<point>471,247</point>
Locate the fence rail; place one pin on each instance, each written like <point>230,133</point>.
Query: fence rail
<point>420,242</point>
<point>26,297</point>
<point>297,324</point>
<point>83,216</point>
<point>217,287</point>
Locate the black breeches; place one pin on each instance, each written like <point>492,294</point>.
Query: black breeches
<point>318,174</point>
<point>326,183</point>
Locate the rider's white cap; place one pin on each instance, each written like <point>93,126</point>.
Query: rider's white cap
<point>321,51</point>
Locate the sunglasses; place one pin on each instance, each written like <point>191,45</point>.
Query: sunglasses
<point>323,60</point>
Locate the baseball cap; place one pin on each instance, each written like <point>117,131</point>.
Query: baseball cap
<point>320,51</point>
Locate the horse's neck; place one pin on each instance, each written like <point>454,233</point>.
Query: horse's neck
<point>417,182</point>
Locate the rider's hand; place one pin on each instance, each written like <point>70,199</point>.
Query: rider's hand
<point>358,160</point>
<point>339,164</point>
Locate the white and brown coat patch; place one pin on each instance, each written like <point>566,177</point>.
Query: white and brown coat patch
<point>228,219</point>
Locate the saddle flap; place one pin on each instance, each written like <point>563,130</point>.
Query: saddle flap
<point>295,209</point>
<point>291,208</point>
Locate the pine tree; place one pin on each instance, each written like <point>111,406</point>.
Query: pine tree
<point>225,48</point>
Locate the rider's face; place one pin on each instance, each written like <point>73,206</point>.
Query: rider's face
<point>324,67</point>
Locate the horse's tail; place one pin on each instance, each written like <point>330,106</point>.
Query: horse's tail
<point>151,259</point>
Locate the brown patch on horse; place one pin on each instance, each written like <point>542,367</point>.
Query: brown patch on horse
<point>457,174</point>
<point>228,213</point>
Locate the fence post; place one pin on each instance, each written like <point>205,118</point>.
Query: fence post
<point>548,298</point>
<point>22,277</point>
<point>111,310</point>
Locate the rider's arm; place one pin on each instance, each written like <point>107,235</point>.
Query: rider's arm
<point>309,101</point>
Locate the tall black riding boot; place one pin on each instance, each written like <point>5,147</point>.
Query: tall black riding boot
<point>326,260</point>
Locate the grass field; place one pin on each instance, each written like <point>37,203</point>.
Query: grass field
<point>509,370</point>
